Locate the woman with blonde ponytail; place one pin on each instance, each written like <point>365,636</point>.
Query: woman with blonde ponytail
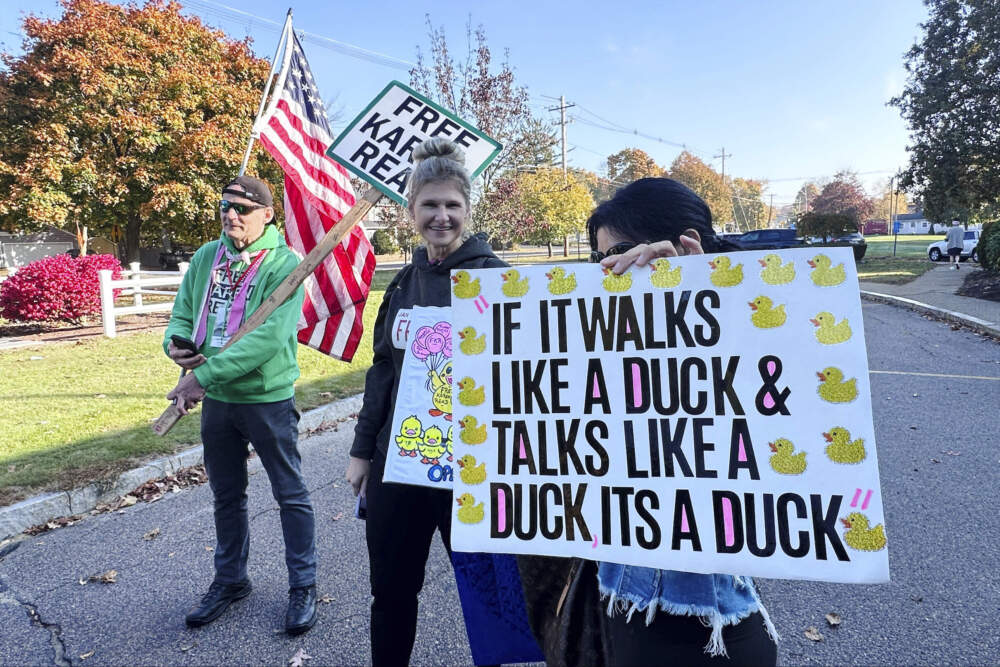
<point>402,519</point>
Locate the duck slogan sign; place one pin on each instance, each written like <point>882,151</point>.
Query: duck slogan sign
<point>705,414</point>
<point>378,145</point>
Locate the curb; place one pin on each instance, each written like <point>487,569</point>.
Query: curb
<point>33,511</point>
<point>982,326</point>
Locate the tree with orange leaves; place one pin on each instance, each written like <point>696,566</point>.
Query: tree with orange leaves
<point>126,115</point>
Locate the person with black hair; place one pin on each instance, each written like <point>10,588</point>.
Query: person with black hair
<point>645,220</point>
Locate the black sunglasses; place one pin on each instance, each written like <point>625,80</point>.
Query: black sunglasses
<point>616,249</point>
<point>242,209</point>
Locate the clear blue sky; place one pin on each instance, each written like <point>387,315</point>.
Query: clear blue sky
<point>791,89</point>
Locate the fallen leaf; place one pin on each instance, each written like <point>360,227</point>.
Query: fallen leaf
<point>210,549</point>
<point>913,428</point>
<point>188,647</point>
<point>326,394</point>
<point>338,516</point>
<point>950,452</point>
<point>170,555</point>
<point>151,535</point>
<point>299,659</point>
<point>326,599</point>
<point>84,656</point>
<point>833,619</point>
<point>917,598</point>
<point>109,577</point>
<point>129,500</point>
<point>935,461</point>
<point>812,634</point>
<point>100,395</point>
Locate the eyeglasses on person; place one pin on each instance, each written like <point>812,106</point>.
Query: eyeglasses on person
<point>241,209</point>
<point>616,249</point>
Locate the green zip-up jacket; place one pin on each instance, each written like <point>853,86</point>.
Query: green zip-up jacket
<point>261,367</point>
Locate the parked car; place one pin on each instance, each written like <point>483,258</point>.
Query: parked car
<point>171,260</point>
<point>855,239</point>
<point>769,239</point>
<point>938,250</point>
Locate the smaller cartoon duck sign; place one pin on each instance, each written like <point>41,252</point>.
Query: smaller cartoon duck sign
<point>464,287</point>
<point>785,460</point>
<point>723,275</point>
<point>514,286</point>
<point>471,473</point>
<point>613,283</point>
<point>469,394</point>
<point>774,272</point>
<point>859,536</point>
<point>468,510</point>
<point>833,388</point>
<point>559,282</point>
<point>661,275</point>
<point>410,436</point>
<point>765,314</point>
<point>432,446</point>
<point>841,449</point>
<point>829,331</point>
<point>470,344</point>
<point>825,275</point>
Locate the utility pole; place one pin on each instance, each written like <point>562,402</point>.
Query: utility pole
<point>562,122</point>
<point>723,155</point>
<point>770,209</point>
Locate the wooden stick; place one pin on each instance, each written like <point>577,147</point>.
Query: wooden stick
<point>287,287</point>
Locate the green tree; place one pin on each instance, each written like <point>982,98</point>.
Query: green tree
<point>845,195</point>
<point>125,115</point>
<point>805,197</point>
<point>631,164</point>
<point>561,203</point>
<point>707,182</point>
<point>826,225</point>
<point>886,201</point>
<point>949,103</point>
<point>749,209</point>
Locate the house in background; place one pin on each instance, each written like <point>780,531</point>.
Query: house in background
<point>16,251</point>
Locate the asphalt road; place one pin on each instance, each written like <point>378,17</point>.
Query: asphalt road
<point>939,467</point>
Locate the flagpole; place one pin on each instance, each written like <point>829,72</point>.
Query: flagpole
<point>282,41</point>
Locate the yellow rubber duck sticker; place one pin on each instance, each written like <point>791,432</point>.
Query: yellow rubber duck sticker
<point>439,382</point>
<point>514,285</point>
<point>823,275</point>
<point>724,276</point>
<point>661,275</point>
<point>841,449</point>
<point>464,287</point>
<point>613,283</point>
<point>784,460</point>
<point>833,388</point>
<point>410,436</point>
<point>829,331</point>
<point>774,272</point>
<point>859,536</point>
<point>432,447</point>
<point>765,314</point>
<point>471,473</point>
<point>472,432</point>
<point>469,393</point>
<point>559,282</point>
<point>470,344</point>
<point>468,510</point>
<point>450,443</point>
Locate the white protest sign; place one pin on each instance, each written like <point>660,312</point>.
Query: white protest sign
<point>420,447</point>
<point>378,145</point>
<point>709,414</point>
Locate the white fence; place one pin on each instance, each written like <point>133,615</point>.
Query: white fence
<point>133,284</point>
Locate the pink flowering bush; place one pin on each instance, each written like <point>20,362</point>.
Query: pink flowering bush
<point>53,289</point>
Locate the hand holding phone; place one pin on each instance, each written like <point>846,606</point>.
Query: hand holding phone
<point>183,343</point>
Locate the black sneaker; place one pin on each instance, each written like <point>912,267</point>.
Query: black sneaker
<point>215,601</point>
<point>301,613</point>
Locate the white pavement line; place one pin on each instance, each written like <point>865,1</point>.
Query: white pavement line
<point>938,375</point>
<point>39,509</point>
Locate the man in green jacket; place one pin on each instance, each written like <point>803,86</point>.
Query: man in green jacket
<point>248,395</point>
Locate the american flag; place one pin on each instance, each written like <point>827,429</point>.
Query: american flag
<point>317,194</point>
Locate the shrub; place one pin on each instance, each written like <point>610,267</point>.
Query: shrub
<point>383,243</point>
<point>989,246</point>
<point>58,288</point>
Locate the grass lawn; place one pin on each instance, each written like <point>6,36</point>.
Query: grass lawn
<point>910,260</point>
<point>73,413</point>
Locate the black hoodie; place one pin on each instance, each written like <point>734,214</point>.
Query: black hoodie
<point>421,283</point>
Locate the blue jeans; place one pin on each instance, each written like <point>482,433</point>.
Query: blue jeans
<point>226,429</point>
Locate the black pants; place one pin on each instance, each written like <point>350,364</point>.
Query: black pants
<point>680,640</point>
<point>401,523</point>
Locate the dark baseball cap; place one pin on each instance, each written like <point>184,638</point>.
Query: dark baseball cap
<point>253,189</point>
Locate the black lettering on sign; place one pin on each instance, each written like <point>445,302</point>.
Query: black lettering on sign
<point>700,447</point>
<point>498,407</point>
<point>549,489</point>
<point>594,428</point>
<point>769,542</point>
<point>374,124</point>
<point>596,388</point>
<point>648,537</point>
<point>573,507</point>
<point>426,117</point>
<point>501,428</point>
<point>741,451</point>
<point>635,375</point>
<point>672,447</point>
<point>685,525</point>
<point>407,105</point>
<point>633,471</point>
<point>605,515</point>
<point>687,390</point>
<point>500,494</point>
<point>512,325</point>
<point>525,523</point>
<point>446,128</point>
<point>391,138</point>
<point>707,334</point>
<point>561,305</point>
<point>722,383</point>
<point>407,147</point>
<point>399,179</point>
<point>649,324</point>
<point>385,163</point>
<point>731,543</point>
<point>784,533</point>
<point>623,493</point>
<point>464,137</point>
<point>366,152</point>
<point>628,325</point>
<point>543,325</point>
<point>521,454</point>
<point>825,526</point>
<point>567,446</point>
<point>675,319</point>
<point>596,321</point>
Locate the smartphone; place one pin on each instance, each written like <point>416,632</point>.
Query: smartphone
<point>183,343</point>
<point>361,507</point>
